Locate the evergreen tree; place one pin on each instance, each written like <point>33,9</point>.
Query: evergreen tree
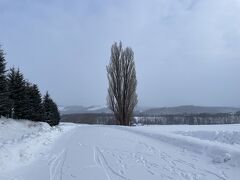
<point>20,99</point>
<point>17,94</point>
<point>4,101</point>
<point>36,108</point>
<point>25,98</point>
<point>51,113</point>
<point>28,109</point>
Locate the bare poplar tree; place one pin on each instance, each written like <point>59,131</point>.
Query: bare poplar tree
<point>122,96</point>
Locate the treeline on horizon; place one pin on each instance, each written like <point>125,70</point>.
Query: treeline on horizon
<point>21,99</point>
<point>149,119</point>
<point>189,119</point>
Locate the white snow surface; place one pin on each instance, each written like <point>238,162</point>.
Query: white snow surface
<point>22,141</point>
<point>35,151</point>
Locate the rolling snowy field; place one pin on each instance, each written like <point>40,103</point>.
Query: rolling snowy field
<point>36,151</point>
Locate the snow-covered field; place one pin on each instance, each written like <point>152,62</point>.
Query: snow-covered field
<point>35,151</point>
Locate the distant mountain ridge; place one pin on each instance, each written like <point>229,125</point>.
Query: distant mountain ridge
<point>82,109</point>
<point>188,109</point>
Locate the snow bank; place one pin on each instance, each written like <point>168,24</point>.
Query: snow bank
<point>228,137</point>
<point>222,146</point>
<point>22,141</point>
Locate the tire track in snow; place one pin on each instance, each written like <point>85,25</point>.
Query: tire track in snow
<point>56,165</point>
<point>175,165</point>
<point>218,176</point>
<point>102,162</point>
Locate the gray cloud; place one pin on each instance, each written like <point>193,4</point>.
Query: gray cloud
<point>187,51</point>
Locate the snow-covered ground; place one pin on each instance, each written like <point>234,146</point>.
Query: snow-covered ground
<point>22,142</point>
<point>72,152</point>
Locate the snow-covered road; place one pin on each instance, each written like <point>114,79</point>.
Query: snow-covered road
<point>119,153</point>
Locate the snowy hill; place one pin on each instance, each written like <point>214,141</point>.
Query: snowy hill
<point>68,152</point>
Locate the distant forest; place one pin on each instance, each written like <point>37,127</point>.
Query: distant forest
<point>145,119</point>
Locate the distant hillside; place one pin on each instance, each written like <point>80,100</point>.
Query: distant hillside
<point>83,110</point>
<point>190,110</point>
<point>150,111</point>
<point>91,110</point>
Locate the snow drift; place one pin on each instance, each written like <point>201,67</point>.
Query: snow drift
<point>221,143</point>
<point>22,141</point>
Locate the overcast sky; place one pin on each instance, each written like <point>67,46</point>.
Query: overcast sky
<point>186,51</point>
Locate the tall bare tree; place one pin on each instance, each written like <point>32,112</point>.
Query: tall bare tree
<point>122,96</point>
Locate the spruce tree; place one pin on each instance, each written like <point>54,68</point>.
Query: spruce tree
<point>36,113</point>
<point>4,101</point>
<point>51,113</point>
<point>17,94</point>
<point>32,104</point>
<point>28,109</point>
